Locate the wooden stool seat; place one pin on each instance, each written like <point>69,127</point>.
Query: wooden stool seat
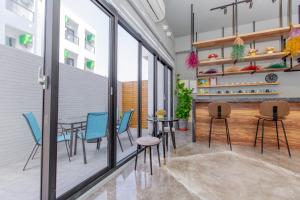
<point>268,117</point>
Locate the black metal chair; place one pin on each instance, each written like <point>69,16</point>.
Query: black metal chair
<point>219,111</point>
<point>275,111</point>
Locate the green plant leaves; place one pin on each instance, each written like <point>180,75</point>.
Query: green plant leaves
<point>184,102</point>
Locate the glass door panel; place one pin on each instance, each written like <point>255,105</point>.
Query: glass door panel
<point>127,109</point>
<point>82,147</point>
<point>21,104</point>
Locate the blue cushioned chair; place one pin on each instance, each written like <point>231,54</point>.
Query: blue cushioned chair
<point>124,127</point>
<point>96,129</point>
<point>37,136</point>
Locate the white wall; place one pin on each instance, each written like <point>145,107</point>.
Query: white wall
<point>288,81</point>
<point>80,92</point>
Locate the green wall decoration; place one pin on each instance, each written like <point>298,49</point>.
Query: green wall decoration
<point>67,53</point>
<point>90,64</point>
<point>66,19</point>
<point>90,37</point>
<point>25,39</point>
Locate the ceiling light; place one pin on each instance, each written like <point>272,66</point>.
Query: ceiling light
<point>273,1</point>
<point>169,33</point>
<point>165,27</point>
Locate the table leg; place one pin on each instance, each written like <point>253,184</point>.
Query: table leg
<point>71,140</point>
<point>164,141</point>
<point>172,135</point>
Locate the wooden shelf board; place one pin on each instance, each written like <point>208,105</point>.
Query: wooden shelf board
<point>257,36</point>
<point>241,94</point>
<point>239,85</point>
<point>241,72</point>
<point>277,55</point>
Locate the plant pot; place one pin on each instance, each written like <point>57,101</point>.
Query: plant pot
<point>160,116</point>
<point>183,124</point>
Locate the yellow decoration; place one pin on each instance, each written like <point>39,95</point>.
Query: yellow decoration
<point>293,46</point>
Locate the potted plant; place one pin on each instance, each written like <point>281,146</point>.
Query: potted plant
<point>161,113</point>
<point>184,104</point>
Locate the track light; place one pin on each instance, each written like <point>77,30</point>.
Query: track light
<point>225,11</point>
<point>251,4</point>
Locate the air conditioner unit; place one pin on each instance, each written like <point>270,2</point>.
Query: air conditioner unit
<point>156,9</point>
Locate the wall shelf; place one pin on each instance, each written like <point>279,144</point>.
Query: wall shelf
<point>239,85</point>
<point>277,55</point>
<point>241,72</point>
<point>240,94</point>
<point>257,36</point>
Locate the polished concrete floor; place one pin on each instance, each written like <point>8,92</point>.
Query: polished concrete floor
<point>196,172</point>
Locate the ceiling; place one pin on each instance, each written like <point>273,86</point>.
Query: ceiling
<point>179,18</point>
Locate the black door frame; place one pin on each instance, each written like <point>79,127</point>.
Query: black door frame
<point>50,102</point>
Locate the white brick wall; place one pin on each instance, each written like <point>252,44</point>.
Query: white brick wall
<point>80,92</point>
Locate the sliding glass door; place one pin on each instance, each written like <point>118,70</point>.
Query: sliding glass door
<point>127,95</point>
<point>21,104</point>
<point>83,107</point>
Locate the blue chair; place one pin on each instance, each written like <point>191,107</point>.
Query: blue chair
<point>96,129</point>
<point>37,136</point>
<point>124,127</point>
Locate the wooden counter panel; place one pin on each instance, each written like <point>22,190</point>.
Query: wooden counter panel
<point>242,126</point>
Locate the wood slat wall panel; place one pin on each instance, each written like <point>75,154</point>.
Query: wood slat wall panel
<point>242,125</point>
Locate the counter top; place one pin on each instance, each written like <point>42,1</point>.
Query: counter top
<point>244,100</point>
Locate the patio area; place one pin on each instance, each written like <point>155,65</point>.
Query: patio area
<point>15,183</point>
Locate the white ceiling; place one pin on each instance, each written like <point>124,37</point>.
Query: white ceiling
<point>178,14</point>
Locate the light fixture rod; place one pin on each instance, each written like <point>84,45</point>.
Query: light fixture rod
<point>231,4</point>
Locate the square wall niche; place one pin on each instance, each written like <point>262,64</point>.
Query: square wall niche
<point>70,58</point>
<point>18,39</point>
<point>89,65</point>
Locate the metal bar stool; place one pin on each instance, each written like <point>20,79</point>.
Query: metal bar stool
<point>275,111</point>
<point>219,111</point>
<point>147,142</point>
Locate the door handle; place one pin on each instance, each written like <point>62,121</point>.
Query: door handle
<point>42,79</point>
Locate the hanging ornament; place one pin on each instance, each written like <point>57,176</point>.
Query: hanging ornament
<point>293,43</point>
<point>192,60</point>
<point>238,49</point>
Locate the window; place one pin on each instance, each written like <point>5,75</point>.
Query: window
<point>23,8</point>
<point>10,41</point>
<point>90,41</point>
<point>71,28</point>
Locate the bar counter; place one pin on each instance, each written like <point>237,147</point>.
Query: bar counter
<point>242,123</point>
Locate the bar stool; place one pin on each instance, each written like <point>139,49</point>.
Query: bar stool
<point>275,111</point>
<point>219,110</point>
<point>147,142</point>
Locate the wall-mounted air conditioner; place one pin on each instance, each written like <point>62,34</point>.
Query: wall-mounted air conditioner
<point>155,9</point>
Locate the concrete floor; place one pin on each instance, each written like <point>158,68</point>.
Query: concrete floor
<point>197,172</point>
<point>16,184</point>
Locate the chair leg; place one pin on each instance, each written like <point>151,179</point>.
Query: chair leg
<point>30,156</point>
<point>120,142</point>
<point>83,149</point>
<point>286,140</point>
<point>145,154</point>
<point>150,149</point>
<point>167,141</point>
<point>68,151</point>
<point>129,132</point>
<point>257,127</point>
<point>210,130</point>
<point>75,146</point>
<point>158,155</point>
<point>262,136</point>
<point>129,138</point>
<point>228,133</point>
<point>136,156</point>
<point>35,152</point>
<point>276,124</point>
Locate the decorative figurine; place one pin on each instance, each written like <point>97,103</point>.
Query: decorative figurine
<point>212,56</point>
<point>252,52</point>
<point>270,50</point>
